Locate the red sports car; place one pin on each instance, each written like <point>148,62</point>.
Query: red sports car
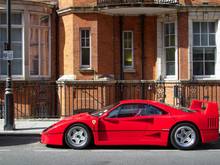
<point>138,122</point>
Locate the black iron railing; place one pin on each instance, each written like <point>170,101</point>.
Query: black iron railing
<point>136,2</point>
<point>32,100</point>
<point>50,99</point>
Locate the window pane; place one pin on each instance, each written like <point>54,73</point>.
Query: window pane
<point>34,52</point>
<point>196,40</point>
<point>127,57</point>
<point>17,48</point>
<point>86,56</point>
<point>1,50</point>
<point>211,27</point>
<point>210,54</point>
<point>197,68</point>
<point>212,39</point>
<point>170,68</point>
<point>34,19</point>
<point>3,19</point>
<point>172,40</point>
<point>204,27</point>
<point>16,67</point>
<point>209,68</point>
<point>204,39</point>
<point>3,67</point>
<point>196,27</point>
<point>3,34</point>
<point>197,54</point>
<point>16,19</point>
<point>16,34</point>
<point>172,28</point>
<point>166,29</point>
<point>150,110</point>
<point>128,110</point>
<point>166,41</point>
<point>170,54</point>
<point>44,54</point>
<point>44,20</point>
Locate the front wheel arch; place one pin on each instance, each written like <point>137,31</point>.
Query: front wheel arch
<point>67,128</point>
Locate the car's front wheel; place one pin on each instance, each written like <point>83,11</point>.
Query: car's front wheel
<point>184,136</point>
<point>78,136</point>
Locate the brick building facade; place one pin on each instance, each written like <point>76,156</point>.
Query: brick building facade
<point>139,40</point>
<point>91,47</point>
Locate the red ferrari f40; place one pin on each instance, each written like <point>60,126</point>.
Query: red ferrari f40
<point>138,122</point>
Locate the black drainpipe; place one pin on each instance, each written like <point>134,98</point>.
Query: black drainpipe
<point>142,18</point>
<point>121,47</point>
<point>142,45</point>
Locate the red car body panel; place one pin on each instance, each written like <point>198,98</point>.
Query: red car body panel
<point>140,130</point>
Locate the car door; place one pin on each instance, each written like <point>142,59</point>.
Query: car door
<point>123,125</point>
<point>158,125</point>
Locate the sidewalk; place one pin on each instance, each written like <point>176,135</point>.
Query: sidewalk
<point>27,127</point>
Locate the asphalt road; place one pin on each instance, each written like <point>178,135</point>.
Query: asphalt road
<point>28,151</point>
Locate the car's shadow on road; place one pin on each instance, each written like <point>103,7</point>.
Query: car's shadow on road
<point>18,140</point>
<point>210,146</point>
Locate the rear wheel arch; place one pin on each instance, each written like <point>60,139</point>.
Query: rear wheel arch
<point>184,122</point>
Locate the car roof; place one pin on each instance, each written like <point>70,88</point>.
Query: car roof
<point>138,101</point>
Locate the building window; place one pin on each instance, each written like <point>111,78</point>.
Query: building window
<point>170,48</point>
<point>16,45</point>
<point>85,48</point>
<point>204,48</point>
<point>39,50</point>
<point>128,49</point>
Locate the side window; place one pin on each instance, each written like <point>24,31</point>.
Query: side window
<point>126,110</point>
<point>150,110</point>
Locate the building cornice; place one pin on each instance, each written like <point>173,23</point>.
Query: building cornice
<point>70,10</point>
<point>96,9</point>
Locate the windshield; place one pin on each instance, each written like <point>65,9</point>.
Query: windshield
<point>103,110</point>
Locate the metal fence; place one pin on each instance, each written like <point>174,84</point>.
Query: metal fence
<point>125,2</point>
<point>32,100</point>
<point>51,99</point>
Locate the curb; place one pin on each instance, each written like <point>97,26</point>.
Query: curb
<point>20,134</point>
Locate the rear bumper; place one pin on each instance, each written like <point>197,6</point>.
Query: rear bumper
<point>209,135</point>
<point>52,139</point>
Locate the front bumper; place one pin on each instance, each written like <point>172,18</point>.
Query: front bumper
<point>52,139</point>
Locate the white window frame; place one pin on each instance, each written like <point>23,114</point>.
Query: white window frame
<point>211,16</point>
<point>39,27</point>
<point>17,77</point>
<point>90,49</point>
<point>167,47</point>
<point>132,49</point>
<point>161,54</point>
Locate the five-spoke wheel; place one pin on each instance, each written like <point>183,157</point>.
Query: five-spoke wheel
<point>78,136</point>
<point>184,136</point>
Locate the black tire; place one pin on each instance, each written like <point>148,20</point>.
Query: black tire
<point>72,143</point>
<point>177,136</point>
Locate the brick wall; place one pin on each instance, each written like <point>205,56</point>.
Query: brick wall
<point>76,3</point>
<point>183,45</point>
<point>199,2</point>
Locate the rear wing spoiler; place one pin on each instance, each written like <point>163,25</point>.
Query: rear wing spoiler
<point>208,108</point>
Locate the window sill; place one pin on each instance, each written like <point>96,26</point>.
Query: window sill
<point>129,70</point>
<point>86,70</point>
<point>212,77</point>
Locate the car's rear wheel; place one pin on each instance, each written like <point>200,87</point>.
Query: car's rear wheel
<point>78,136</point>
<point>184,136</point>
